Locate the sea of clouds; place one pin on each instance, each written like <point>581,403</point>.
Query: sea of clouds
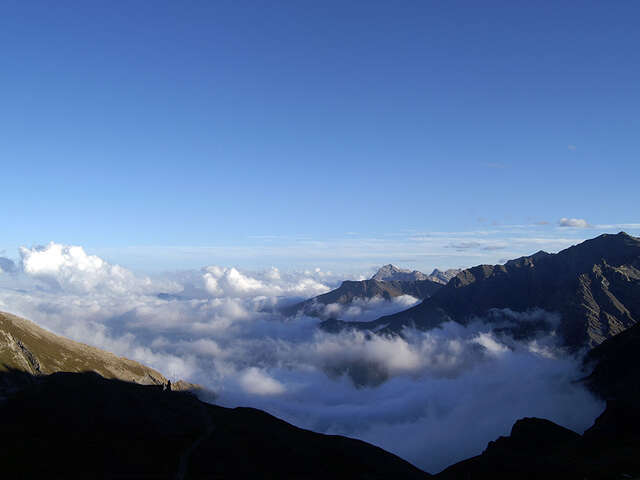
<point>431,397</point>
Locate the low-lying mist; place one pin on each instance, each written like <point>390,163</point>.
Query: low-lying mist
<point>431,397</point>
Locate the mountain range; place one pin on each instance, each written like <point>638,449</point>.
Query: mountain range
<point>594,288</point>
<point>387,283</point>
<point>391,273</point>
<point>74,411</point>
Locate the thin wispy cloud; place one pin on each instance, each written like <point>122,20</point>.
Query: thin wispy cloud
<point>465,245</point>
<point>495,247</point>
<point>350,255</point>
<point>619,226</point>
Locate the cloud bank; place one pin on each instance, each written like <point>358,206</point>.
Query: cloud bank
<point>362,309</point>
<point>70,269</point>
<point>431,397</point>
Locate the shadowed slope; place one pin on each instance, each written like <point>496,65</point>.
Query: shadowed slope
<point>616,366</point>
<point>594,286</point>
<point>539,449</point>
<point>351,290</point>
<point>86,426</point>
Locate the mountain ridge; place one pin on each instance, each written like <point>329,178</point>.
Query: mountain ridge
<point>82,425</point>
<point>350,290</point>
<point>393,273</point>
<point>594,286</point>
<point>387,283</point>
<point>26,347</point>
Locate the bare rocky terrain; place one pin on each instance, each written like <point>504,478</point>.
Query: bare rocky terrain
<point>26,347</point>
<point>392,273</point>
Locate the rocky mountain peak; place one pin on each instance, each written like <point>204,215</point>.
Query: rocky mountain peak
<point>392,273</point>
<point>443,277</point>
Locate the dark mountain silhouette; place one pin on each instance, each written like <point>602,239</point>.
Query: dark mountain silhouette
<point>81,425</point>
<point>594,286</point>
<point>540,449</point>
<point>615,366</point>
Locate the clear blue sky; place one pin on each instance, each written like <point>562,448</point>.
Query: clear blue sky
<point>218,124</point>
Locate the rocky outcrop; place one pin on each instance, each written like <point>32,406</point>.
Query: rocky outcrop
<point>391,273</point>
<point>26,347</point>
<point>443,277</point>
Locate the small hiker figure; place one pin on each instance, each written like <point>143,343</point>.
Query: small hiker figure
<point>168,385</point>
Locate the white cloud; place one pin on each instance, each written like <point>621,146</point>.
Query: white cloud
<point>230,282</point>
<point>364,309</point>
<point>71,268</point>
<point>573,222</point>
<point>255,381</point>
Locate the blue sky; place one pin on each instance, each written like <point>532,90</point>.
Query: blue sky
<point>169,134</point>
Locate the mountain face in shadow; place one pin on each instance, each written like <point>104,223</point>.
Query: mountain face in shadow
<point>81,425</point>
<point>540,449</point>
<point>615,366</point>
<point>118,419</point>
<point>26,347</point>
<point>388,282</point>
<point>593,286</point>
<point>351,290</point>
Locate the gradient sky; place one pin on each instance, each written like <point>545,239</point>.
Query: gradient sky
<point>168,134</point>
